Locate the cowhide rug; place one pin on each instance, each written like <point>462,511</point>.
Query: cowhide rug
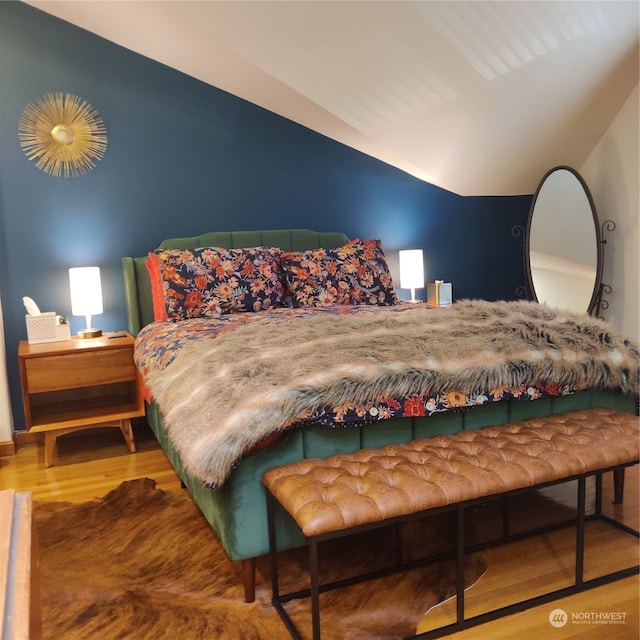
<point>143,564</point>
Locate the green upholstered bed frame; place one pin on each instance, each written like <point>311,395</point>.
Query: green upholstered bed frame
<point>237,510</point>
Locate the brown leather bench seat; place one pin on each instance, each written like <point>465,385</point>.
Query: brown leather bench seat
<point>373,485</point>
<point>347,491</point>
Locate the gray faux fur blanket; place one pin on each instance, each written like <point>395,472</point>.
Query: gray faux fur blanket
<point>223,396</point>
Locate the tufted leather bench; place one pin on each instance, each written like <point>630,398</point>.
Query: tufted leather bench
<point>348,491</point>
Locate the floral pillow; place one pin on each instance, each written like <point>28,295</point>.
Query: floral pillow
<point>356,273</point>
<point>212,280</point>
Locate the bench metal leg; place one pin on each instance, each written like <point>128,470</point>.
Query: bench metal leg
<point>580,531</point>
<point>315,588</point>
<point>460,564</point>
<point>618,486</point>
<point>397,532</point>
<point>275,581</point>
<point>598,501</point>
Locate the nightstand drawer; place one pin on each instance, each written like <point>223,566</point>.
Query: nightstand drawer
<point>71,371</point>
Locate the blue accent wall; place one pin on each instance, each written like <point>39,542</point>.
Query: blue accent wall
<point>184,158</point>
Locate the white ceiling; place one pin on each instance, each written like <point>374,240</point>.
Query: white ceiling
<point>479,97</point>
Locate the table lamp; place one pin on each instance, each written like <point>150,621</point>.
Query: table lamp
<point>411,271</point>
<point>86,297</point>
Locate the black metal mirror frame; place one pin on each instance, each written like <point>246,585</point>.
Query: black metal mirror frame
<point>598,288</point>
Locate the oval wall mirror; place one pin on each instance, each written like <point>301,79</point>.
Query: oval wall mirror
<point>563,257</point>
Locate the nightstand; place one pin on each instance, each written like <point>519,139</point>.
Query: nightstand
<point>80,384</point>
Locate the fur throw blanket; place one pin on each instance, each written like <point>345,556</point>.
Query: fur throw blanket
<point>223,396</point>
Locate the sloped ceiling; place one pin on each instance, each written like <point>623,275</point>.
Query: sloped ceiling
<point>478,97</point>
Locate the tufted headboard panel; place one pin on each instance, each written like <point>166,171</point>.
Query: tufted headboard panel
<point>137,287</point>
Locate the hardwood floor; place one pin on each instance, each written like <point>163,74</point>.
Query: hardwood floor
<point>90,464</point>
<point>537,565</point>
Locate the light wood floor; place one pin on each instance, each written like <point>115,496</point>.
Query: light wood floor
<point>89,464</point>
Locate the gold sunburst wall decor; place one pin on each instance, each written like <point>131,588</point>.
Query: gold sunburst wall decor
<point>63,134</point>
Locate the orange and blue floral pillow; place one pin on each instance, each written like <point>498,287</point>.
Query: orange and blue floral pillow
<point>356,273</point>
<point>212,280</point>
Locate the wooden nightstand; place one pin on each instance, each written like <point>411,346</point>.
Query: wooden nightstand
<point>80,384</point>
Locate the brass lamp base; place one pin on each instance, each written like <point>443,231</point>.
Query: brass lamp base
<point>89,333</point>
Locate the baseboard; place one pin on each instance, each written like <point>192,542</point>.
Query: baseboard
<point>7,448</point>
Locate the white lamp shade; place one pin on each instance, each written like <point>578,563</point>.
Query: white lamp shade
<point>86,291</point>
<point>411,269</point>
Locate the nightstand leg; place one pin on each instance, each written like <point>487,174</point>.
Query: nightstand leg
<point>50,438</point>
<point>127,432</point>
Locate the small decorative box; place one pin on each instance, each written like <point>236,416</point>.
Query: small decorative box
<point>439,293</point>
<point>47,327</point>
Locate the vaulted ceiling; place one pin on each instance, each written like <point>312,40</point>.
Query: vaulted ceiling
<point>479,97</point>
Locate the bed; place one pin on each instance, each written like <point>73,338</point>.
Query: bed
<point>214,335</point>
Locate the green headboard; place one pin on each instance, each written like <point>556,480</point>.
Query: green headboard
<point>137,288</point>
